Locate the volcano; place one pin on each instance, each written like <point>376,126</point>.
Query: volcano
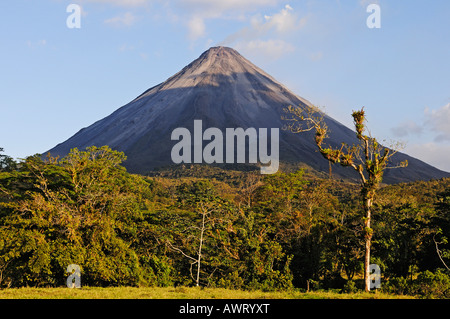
<point>224,90</point>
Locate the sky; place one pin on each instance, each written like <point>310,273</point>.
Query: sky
<point>56,78</point>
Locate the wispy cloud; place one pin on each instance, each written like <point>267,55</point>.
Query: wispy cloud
<point>439,122</point>
<point>127,19</point>
<point>122,3</point>
<point>365,3</point>
<point>196,27</point>
<point>435,126</point>
<point>36,44</point>
<point>316,56</point>
<point>435,121</point>
<point>435,154</point>
<point>264,33</point>
<point>216,8</point>
<point>267,34</point>
<point>271,48</point>
<point>198,12</point>
<point>126,47</point>
<point>285,21</point>
<point>407,128</point>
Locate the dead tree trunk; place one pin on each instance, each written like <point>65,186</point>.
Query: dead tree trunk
<point>200,245</point>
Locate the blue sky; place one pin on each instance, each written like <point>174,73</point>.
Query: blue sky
<point>55,80</point>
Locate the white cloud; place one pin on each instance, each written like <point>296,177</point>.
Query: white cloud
<point>194,14</point>
<point>36,44</point>
<point>407,128</point>
<point>436,121</point>
<point>143,55</point>
<point>122,3</point>
<point>127,19</point>
<point>126,47</point>
<point>365,3</point>
<point>197,12</point>
<point>434,126</point>
<point>316,56</point>
<point>196,27</point>
<point>272,48</point>
<point>283,21</point>
<point>216,8</point>
<point>434,154</point>
<point>439,121</point>
<point>268,34</point>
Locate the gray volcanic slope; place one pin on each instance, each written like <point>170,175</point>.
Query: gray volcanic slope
<point>224,90</point>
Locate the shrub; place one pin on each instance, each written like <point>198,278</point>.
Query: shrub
<point>433,285</point>
<point>231,281</point>
<point>398,286</point>
<point>350,287</point>
<point>426,285</point>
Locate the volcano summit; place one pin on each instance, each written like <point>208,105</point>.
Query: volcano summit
<point>223,90</point>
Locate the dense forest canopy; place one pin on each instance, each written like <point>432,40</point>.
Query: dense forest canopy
<point>231,229</point>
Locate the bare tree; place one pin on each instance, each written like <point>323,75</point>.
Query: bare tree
<point>368,158</point>
<point>200,198</point>
<point>204,212</point>
<point>250,185</point>
<point>439,252</point>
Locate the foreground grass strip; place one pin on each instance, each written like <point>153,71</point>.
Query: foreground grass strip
<point>177,293</point>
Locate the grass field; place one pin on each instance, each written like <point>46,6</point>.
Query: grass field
<point>177,293</point>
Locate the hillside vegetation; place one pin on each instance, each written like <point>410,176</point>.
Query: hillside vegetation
<point>214,228</point>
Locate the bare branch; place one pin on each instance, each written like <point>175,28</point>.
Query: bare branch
<point>439,254</point>
<point>179,250</point>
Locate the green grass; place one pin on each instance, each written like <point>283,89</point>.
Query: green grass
<point>177,293</point>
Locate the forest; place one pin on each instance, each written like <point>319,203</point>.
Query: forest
<point>206,226</point>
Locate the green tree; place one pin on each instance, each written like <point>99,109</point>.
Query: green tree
<point>253,258</point>
<point>7,163</point>
<point>442,221</point>
<point>300,215</point>
<point>369,159</point>
<point>205,210</point>
<point>83,209</point>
